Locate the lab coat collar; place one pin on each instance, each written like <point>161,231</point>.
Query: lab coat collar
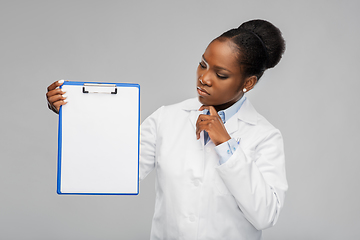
<point>192,104</point>
<point>247,113</point>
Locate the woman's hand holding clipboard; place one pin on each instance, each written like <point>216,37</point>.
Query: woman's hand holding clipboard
<point>55,96</point>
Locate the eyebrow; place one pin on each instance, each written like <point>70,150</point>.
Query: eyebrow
<point>216,67</point>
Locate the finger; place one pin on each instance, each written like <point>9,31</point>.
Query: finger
<point>202,108</point>
<point>52,108</point>
<point>213,112</point>
<point>201,126</point>
<point>202,117</point>
<point>58,104</point>
<point>52,99</point>
<point>55,92</point>
<point>54,85</point>
<point>198,129</point>
<point>211,109</point>
<point>208,119</point>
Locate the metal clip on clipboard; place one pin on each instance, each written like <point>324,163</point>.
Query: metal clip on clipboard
<point>99,88</point>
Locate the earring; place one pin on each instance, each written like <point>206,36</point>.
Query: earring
<point>244,90</point>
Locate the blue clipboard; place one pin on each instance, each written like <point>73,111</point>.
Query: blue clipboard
<point>98,139</point>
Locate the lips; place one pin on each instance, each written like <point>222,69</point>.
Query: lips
<point>202,91</point>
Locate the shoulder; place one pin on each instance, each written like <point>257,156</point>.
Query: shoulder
<point>248,114</point>
<point>256,131</point>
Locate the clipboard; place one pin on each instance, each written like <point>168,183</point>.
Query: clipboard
<point>98,139</point>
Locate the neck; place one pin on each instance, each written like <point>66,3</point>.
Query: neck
<point>228,104</point>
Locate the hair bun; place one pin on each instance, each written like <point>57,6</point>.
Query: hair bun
<point>270,37</point>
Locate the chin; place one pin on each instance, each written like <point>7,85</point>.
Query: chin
<point>204,101</point>
<point>201,100</point>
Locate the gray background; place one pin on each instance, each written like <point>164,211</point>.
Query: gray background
<point>311,96</point>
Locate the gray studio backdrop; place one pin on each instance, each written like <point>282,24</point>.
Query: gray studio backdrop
<point>312,96</point>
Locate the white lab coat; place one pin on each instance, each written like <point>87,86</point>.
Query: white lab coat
<point>196,198</point>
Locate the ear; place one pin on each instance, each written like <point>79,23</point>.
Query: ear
<point>250,83</point>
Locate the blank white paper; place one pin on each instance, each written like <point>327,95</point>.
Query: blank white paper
<point>100,141</point>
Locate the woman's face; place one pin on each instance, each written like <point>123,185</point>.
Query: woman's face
<point>220,74</point>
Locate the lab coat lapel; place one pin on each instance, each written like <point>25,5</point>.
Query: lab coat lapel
<point>246,113</point>
<point>232,125</point>
<point>193,116</point>
<point>192,107</point>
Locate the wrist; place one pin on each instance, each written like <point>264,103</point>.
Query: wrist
<point>222,140</point>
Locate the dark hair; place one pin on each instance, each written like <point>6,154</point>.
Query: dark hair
<point>260,46</point>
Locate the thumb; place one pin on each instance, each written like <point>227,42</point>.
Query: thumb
<point>213,112</point>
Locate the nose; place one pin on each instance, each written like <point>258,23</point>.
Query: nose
<point>205,79</point>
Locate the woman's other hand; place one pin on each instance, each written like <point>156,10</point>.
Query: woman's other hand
<point>213,125</point>
<point>55,96</point>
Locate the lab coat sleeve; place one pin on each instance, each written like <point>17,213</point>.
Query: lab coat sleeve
<point>148,134</point>
<point>257,180</point>
<point>226,149</point>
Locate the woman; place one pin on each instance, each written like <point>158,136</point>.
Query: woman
<point>220,165</point>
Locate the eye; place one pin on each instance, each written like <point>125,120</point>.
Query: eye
<point>202,65</point>
<point>221,76</point>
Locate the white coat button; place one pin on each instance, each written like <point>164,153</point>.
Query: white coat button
<point>192,218</point>
<point>208,150</point>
